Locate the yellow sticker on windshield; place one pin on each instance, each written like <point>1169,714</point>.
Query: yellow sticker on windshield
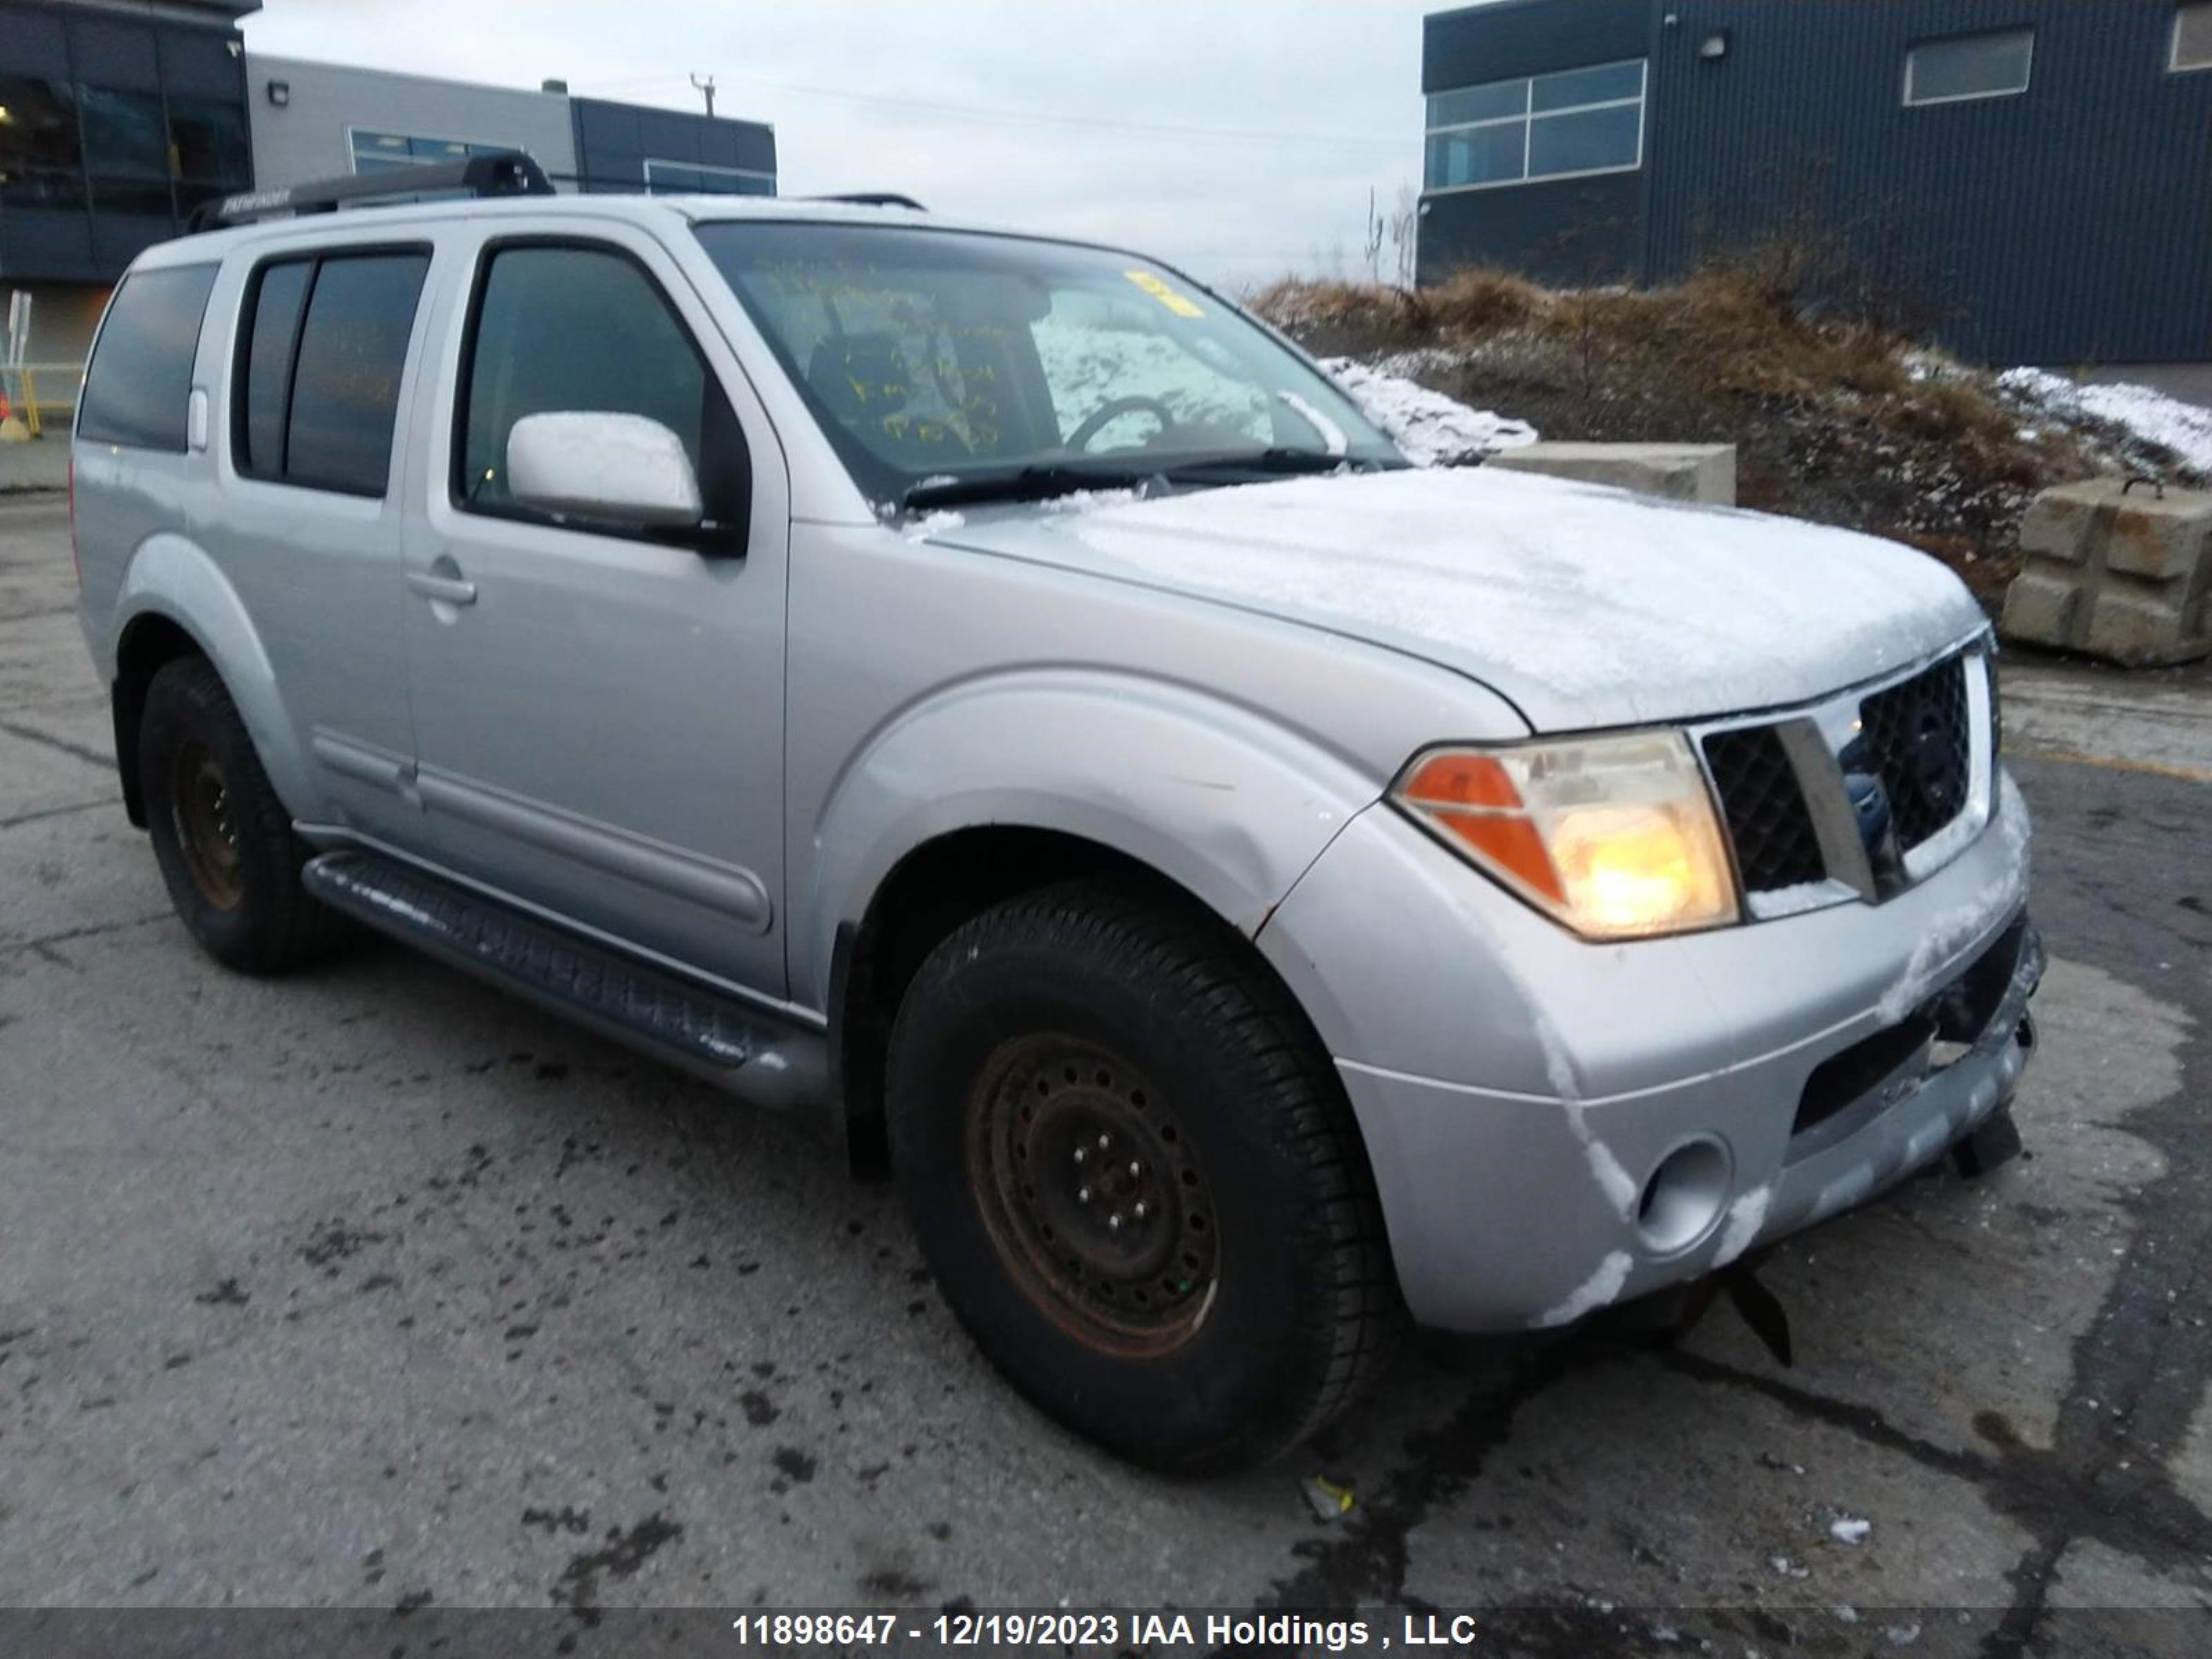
<point>1166,295</point>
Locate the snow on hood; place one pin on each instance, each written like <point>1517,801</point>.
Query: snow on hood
<point>1586,606</point>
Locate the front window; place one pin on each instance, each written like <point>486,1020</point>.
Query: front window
<point>938,362</point>
<point>1543,126</point>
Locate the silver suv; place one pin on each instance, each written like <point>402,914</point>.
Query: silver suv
<point>990,691</point>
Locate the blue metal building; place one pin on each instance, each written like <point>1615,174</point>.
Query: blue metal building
<point>2034,176</point>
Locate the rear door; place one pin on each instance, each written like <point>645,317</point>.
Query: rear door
<point>306,513</point>
<point>600,715</point>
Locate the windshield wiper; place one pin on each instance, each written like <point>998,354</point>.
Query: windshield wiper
<point>1279,460</point>
<point>1023,484</point>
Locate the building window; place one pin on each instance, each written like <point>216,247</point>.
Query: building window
<point>1546,126</point>
<point>694,178</point>
<point>1969,66</point>
<point>2192,38</point>
<point>41,162</point>
<point>380,152</point>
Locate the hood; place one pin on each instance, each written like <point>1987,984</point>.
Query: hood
<point>1586,606</point>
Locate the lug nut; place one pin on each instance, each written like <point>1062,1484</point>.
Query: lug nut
<point>1079,1154</point>
<point>1083,1195</point>
<point>1104,1141</point>
<point>1114,1222</point>
<point>1135,1169</point>
<point>1139,1212</point>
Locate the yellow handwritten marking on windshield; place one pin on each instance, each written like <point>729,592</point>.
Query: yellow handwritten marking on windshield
<point>1166,295</point>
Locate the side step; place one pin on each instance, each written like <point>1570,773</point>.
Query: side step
<point>728,1042</point>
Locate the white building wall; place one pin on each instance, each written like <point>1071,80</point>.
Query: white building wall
<point>308,135</point>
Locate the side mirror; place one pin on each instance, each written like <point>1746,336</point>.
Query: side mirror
<point>605,468</point>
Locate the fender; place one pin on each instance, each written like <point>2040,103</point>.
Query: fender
<point>173,577</point>
<point>1230,803</point>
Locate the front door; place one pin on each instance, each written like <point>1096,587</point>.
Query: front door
<point>599,714</point>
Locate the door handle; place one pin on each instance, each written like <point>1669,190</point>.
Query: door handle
<point>449,590</point>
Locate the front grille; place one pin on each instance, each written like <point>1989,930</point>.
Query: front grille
<point>1918,738</point>
<point>1775,846</point>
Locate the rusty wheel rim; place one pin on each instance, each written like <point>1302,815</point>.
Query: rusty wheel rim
<point>1092,1194</point>
<point>205,816</point>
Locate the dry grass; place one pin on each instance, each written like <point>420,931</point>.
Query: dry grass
<point>1837,419</point>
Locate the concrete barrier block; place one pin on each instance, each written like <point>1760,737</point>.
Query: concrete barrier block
<point>2164,540</point>
<point>2122,575</point>
<point>1680,472</point>
<point>2057,522</point>
<point>2140,630</point>
<point>37,463</point>
<point>2042,610</point>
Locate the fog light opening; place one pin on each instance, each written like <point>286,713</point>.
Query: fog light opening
<point>1683,1200</point>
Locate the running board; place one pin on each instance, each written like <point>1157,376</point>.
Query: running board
<point>730,1042</point>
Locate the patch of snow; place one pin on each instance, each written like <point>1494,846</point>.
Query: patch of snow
<point>1744,1217</point>
<point>1584,606</point>
<point>2183,427</point>
<point>1432,429</point>
<point>1597,1291</point>
<point>1901,1636</point>
<point>1850,1529</point>
<point>1801,897</point>
<point>934,524</point>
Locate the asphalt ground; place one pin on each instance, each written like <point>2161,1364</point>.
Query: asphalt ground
<point>374,1288</point>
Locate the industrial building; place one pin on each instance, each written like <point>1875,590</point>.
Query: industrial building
<point>2030,178</point>
<point>119,118</point>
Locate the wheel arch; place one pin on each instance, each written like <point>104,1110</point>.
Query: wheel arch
<point>937,886</point>
<point>150,640</point>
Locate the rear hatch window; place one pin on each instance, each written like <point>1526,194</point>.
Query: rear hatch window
<point>141,377</point>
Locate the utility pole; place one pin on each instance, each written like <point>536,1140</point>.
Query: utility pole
<point>706,86</point>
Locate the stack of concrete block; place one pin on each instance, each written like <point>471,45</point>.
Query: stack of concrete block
<point>2119,573</point>
<point>1677,473</point>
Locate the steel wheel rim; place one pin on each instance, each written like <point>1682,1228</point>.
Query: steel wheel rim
<point>205,816</point>
<point>1115,1241</point>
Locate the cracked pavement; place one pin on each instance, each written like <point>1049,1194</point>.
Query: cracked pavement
<point>375,1288</point>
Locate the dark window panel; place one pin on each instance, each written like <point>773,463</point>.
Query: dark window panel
<point>1488,103</point>
<point>274,319</point>
<point>207,142</point>
<point>40,129</point>
<point>345,386</point>
<point>1585,142</point>
<point>119,54</point>
<point>140,379</point>
<point>1602,85</point>
<point>124,135</point>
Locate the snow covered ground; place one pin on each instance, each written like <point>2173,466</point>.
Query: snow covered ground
<point>2185,429</point>
<point>1433,430</point>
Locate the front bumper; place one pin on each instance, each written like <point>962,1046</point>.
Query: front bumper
<point>1582,1124</point>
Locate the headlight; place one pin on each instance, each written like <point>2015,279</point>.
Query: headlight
<point>1615,836</point>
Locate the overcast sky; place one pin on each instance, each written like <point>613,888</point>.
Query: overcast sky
<point>1240,137</point>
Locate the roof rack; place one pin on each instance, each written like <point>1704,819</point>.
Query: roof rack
<point>505,172</point>
<point>871,199</point>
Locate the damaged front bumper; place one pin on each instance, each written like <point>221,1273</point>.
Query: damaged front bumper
<point>1814,1063</point>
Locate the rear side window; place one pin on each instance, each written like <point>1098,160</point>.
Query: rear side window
<point>323,342</point>
<point>572,327</point>
<point>141,377</point>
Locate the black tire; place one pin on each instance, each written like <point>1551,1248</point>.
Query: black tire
<point>223,839</point>
<point>1173,1036</point>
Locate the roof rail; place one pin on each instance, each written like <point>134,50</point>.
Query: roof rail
<point>871,199</point>
<point>505,172</point>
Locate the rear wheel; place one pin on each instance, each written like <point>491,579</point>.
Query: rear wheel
<point>223,839</point>
<point>1137,1179</point>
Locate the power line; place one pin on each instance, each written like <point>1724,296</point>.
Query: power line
<point>1034,117</point>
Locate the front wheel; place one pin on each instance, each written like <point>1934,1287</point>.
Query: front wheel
<point>1136,1177</point>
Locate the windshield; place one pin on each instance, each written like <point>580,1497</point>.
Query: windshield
<point>947,365</point>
